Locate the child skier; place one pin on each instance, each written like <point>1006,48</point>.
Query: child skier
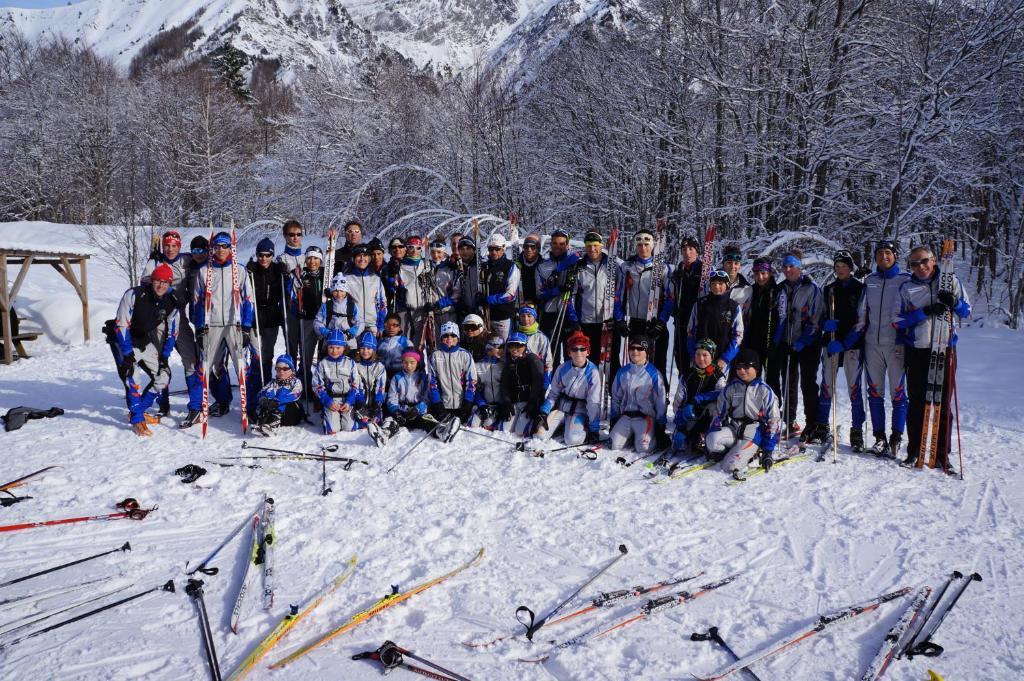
<point>370,381</point>
<point>334,384</point>
<point>638,401</point>
<point>340,312</point>
<point>408,394</point>
<point>695,399</point>
<point>392,345</point>
<point>452,382</point>
<point>575,396</point>
<point>522,388</point>
<point>536,342</point>
<point>278,402</point>
<point>488,383</point>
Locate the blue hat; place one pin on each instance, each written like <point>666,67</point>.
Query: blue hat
<point>368,340</point>
<point>516,337</point>
<point>221,239</point>
<point>286,359</point>
<point>792,261</point>
<point>450,329</point>
<point>265,246</point>
<point>337,337</point>
<point>528,309</point>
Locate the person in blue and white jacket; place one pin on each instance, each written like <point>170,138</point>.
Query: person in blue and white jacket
<point>638,411</point>
<point>334,382</point>
<point>370,380</point>
<point>340,313</point>
<point>147,322</point>
<point>408,394</point>
<point>799,342</point>
<point>633,291</point>
<point>488,383</point>
<point>745,429</point>
<point>452,378</point>
<point>575,396</point>
<point>279,399</point>
<point>367,290</point>
<point>924,313</point>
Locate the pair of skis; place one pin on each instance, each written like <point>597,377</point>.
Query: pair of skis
<point>261,554</point>
<point>13,498</point>
<point>605,355</point>
<point>938,360</point>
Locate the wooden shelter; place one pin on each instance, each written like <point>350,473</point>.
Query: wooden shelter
<point>60,259</point>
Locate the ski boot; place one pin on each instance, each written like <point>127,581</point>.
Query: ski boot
<point>794,430</point>
<point>194,416</point>
<point>815,435</point>
<point>739,475</point>
<point>268,423</point>
<point>881,446</point>
<point>219,409</point>
<point>141,429</point>
<point>857,440</point>
<point>895,442</point>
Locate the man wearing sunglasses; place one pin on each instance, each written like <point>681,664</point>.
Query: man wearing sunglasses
<point>633,292</point>
<point>501,286</point>
<point>343,255</point>
<point>717,317</point>
<point>528,261</point>
<point>591,308</point>
<point>883,353</point>
<point>924,306</point>
<point>267,280</point>
<point>801,342</point>
<point>292,260</point>
<point>409,285</point>
<point>185,341</point>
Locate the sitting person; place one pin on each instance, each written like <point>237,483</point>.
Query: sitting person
<point>370,381</point>
<point>392,345</point>
<point>695,399</point>
<point>278,401</point>
<point>522,388</point>
<point>408,394</point>
<point>574,398</point>
<point>488,383</point>
<point>638,410</point>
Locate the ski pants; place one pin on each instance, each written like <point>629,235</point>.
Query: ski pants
<point>917,384</point>
<point>738,445</point>
<point>575,425</point>
<point>638,428</point>
<point>268,339</point>
<point>802,367</point>
<point>412,323</point>
<point>338,422</point>
<point>852,362</point>
<point>157,378</point>
<point>883,362</point>
<point>227,342</point>
<point>521,423</point>
<point>292,340</point>
<point>593,332</point>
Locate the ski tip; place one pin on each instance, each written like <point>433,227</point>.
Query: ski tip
<point>168,586</point>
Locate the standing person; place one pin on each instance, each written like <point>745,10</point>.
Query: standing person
<point>376,256</point>
<point>226,329</point>
<point>501,286</point>
<point>456,242</point>
<point>468,299</point>
<point>185,342</point>
<point>554,276</point>
<point>278,401</point>
<point>397,250</point>
<point>924,306</point>
<point>763,322</point>
<point>638,411</point>
<point>739,287</point>
<point>267,285</point>
<point>686,285</point>
<point>292,260</point>
<point>366,290</point>
<point>147,322</point>
<point>536,342</point>
<point>343,255</point>
<point>745,429</point>
<point>488,382</point>
<point>845,348</point>
<point>437,253</point>
<point>632,297</point>
<point>338,313</point>
<point>334,382</point>
<point>574,399</point>
<point>591,308</point>
<point>370,381</point>
<point>309,298</point>
<point>452,379</point>
<point>527,262</point>
<point>883,352</point>
<point>696,396</point>
<point>413,289</point>
<point>522,388</point>
<point>718,317</point>
<point>445,278</point>
<point>800,345</point>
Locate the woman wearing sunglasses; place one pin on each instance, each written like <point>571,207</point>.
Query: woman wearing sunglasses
<point>575,396</point>
<point>717,317</point>
<point>638,410</point>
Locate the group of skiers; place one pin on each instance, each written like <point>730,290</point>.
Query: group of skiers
<point>535,345</point>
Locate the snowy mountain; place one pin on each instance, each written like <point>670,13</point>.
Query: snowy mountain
<point>302,33</point>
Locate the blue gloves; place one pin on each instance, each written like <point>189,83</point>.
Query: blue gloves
<point>830,325</point>
<point>687,413</point>
<point>495,299</point>
<point>799,345</point>
<point>678,440</point>
<point>835,346</point>
<point>445,302</point>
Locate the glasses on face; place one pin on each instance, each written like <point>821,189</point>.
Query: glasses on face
<point>472,327</point>
<point>733,257</point>
<point>530,247</point>
<point>198,251</point>
<point>449,335</point>
<point>637,348</point>
<point>744,366</point>
<point>264,255</point>
<point>644,240</point>
<point>494,249</point>
<point>918,263</point>
<point>719,274</point>
<point>222,247</point>
<point>578,349</point>
<point>294,235</point>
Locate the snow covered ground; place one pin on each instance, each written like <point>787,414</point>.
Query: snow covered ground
<point>807,538</point>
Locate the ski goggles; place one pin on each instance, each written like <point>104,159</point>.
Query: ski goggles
<point>732,257</point>
<point>718,275</point>
<point>643,239</point>
<point>495,344</point>
<point>198,251</point>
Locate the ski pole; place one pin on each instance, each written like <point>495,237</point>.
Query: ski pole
<point>956,404</point>
<point>133,514</point>
<point>125,547</point>
<point>391,657</point>
<point>415,444</point>
<point>324,489</point>
<point>23,479</point>
<point>195,591</point>
<point>227,540</point>
<point>167,586</point>
<point>61,611</point>
<point>925,646</point>
<point>518,445</point>
<point>323,448</point>
<point>713,636</point>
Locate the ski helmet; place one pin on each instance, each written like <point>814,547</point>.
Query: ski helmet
<point>450,329</point>
<point>367,340</point>
<point>337,337</point>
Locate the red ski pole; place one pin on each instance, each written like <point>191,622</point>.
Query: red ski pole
<point>956,404</point>
<point>131,511</point>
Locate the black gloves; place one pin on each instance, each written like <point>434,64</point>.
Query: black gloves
<point>502,413</point>
<point>411,414</point>
<point>466,411</point>
<point>128,364</point>
<point>935,309</point>
<point>622,329</point>
<point>657,329</point>
<point>948,299</point>
<point>201,334</point>
<point>593,437</point>
<point>246,335</point>
<point>766,460</point>
<point>484,412</point>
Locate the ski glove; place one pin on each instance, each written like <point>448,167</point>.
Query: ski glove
<point>687,413</point>
<point>948,299</point>
<point>466,411</point>
<point>661,438</point>
<point>496,299</point>
<point>592,438</point>
<point>658,329</point>
<point>766,460</point>
<point>935,309</point>
<point>502,413</point>
<point>678,440</point>
<point>411,414</point>
<point>830,325</point>
<point>201,334</point>
<point>835,346</point>
<point>437,410</point>
<point>799,346</point>
<point>445,302</point>
<point>128,364</point>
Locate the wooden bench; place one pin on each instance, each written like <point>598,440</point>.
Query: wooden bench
<point>19,338</point>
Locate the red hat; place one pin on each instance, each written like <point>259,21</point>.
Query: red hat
<point>577,339</point>
<point>171,237</point>
<point>414,241</point>
<point>163,273</point>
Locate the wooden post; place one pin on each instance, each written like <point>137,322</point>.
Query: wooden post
<point>85,299</point>
<point>5,312</point>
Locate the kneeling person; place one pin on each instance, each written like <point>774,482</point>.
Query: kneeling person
<point>696,397</point>
<point>638,402</point>
<point>522,388</point>
<point>278,402</point>
<point>575,396</point>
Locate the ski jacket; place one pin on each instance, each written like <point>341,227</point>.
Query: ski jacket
<point>488,381</point>
<point>528,278</point>
<point>879,305</point>
<point>803,313</point>
<point>742,403</point>
<point>390,349</point>
<point>446,282</point>
<point>701,389</point>
<point>371,382</point>
<point>343,258</point>
<point>740,291</point>
<point>539,344</point>
<point>408,390</point>
<point>633,290</point>
<point>573,387</point>
<point>267,292</point>
<point>452,377</point>
<point>222,306</point>
<point>283,392</point>
<point>720,319</point>
<point>145,319</point>
<point>552,276</point>
<point>591,305</point>
<point>180,268</point>
<point>501,286</point>
<point>846,297</point>
<point>686,285</point>
<point>522,380</point>
<point>340,315</point>
<point>334,378</point>
<point>310,294</point>
<point>764,318</point>
<point>916,326</point>
<point>475,345</point>
<point>292,260</point>
<point>638,389</point>
<point>367,292</point>
<point>468,300</point>
<point>405,285</point>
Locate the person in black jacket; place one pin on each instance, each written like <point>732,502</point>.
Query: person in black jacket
<point>266,276</point>
<point>686,283</point>
<point>522,388</point>
<point>761,322</point>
